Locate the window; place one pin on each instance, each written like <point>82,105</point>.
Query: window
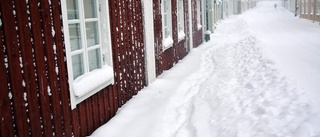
<point>180,15</point>
<point>318,7</point>
<point>198,14</point>
<point>306,10</point>
<point>166,24</point>
<point>89,57</point>
<point>302,7</point>
<point>312,6</point>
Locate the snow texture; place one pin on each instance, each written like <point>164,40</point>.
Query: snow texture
<point>257,77</point>
<point>199,26</point>
<point>90,81</point>
<point>167,42</point>
<point>181,36</point>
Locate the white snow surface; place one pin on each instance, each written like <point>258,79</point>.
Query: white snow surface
<point>91,80</point>
<point>259,76</point>
<point>181,35</point>
<point>167,42</point>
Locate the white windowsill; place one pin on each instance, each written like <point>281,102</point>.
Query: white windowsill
<point>92,81</point>
<point>167,43</point>
<point>181,36</point>
<point>208,32</point>
<point>199,26</point>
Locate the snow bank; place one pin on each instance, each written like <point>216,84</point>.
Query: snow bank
<point>181,35</point>
<point>90,81</point>
<point>167,43</point>
<point>229,86</point>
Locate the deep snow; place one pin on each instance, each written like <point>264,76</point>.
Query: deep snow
<point>259,76</point>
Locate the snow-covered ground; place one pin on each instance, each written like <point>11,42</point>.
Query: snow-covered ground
<point>259,76</point>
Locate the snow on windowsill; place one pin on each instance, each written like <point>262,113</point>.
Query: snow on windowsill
<point>181,35</point>
<point>199,26</point>
<point>167,43</point>
<point>90,81</point>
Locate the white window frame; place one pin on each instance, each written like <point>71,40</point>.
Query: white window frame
<point>180,20</point>
<point>199,14</point>
<point>77,95</point>
<point>167,42</point>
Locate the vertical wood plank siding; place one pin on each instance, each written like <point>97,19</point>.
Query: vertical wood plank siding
<point>34,95</point>
<point>306,13</point>
<point>197,33</point>
<point>5,102</point>
<point>166,59</point>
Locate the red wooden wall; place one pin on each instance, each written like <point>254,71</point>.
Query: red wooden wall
<point>34,92</point>
<point>197,33</point>
<point>166,59</point>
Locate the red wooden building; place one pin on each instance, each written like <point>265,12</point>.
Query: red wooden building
<point>177,28</point>
<point>66,66</point>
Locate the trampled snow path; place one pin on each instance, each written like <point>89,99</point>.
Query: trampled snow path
<point>225,88</point>
<point>237,92</point>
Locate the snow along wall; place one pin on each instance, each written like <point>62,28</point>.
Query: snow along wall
<point>34,94</point>
<point>165,59</point>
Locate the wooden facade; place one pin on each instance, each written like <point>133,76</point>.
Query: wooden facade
<point>197,33</point>
<point>167,58</point>
<point>34,96</point>
<point>309,9</point>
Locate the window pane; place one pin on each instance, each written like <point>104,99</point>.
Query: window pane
<point>72,9</point>
<point>306,7</point>
<point>319,7</point>
<point>92,33</point>
<point>165,20</point>
<point>77,65</point>
<point>181,20</point>
<point>165,6</point>
<point>311,8</point>
<point>179,17</point>
<point>75,36</point>
<point>198,11</point>
<point>90,8</point>
<point>94,59</point>
<point>166,32</point>
<point>302,7</point>
<point>181,8</point>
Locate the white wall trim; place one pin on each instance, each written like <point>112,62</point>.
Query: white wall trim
<point>190,25</point>
<point>203,22</point>
<point>147,6</point>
